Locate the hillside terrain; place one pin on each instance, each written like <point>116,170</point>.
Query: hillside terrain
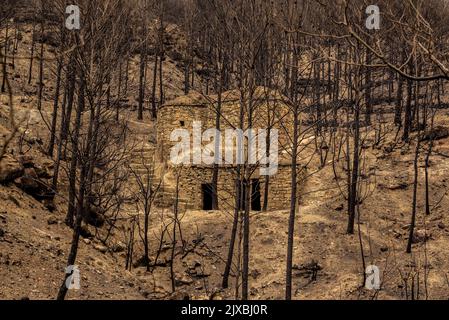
<point>35,241</point>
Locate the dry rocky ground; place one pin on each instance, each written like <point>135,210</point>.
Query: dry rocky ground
<point>34,241</point>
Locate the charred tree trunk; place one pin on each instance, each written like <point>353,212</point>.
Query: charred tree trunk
<point>267,177</point>
<point>80,199</point>
<point>175,224</point>
<point>153,91</point>
<point>41,69</point>
<point>142,83</point>
<point>294,176</point>
<point>30,68</point>
<point>235,222</point>
<point>119,92</point>
<point>74,160</point>
<point>66,113</point>
<point>5,61</point>
<point>408,112</point>
<point>246,230</point>
<point>398,107</point>
<point>125,89</point>
<point>353,197</point>
<point>143,64</point>
<point>51,144</point>
<point>415,193</point>
<point>292,215</point>
<point>217,141</point>
<point>368,86</point>
<point>161,81</point>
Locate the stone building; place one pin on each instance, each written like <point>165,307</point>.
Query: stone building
<point>198,113</point>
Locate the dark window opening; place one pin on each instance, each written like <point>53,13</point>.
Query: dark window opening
<point>182,123</point>
<point>207,192</point>
<point>255,195</point>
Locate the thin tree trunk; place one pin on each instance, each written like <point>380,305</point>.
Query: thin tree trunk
<point>368,85</point>
<point>267,177</point>
<point>175,223</point>
<point>74,160</point>
<point>119,92</point>
<point>41,70</point>
<point>235,222</point>
<point>429,153</point>
<point>81,194</point>
<point>292,215</point>
<point>161,81</point>
<point>153,91</point>
<point>217,141</point>
<point>66,113</point>
<point>30,69</point>
<point>408,112</point>
<point>415,192</point>
<point>355,172</point>
<point>14,46</point>
<point>141,84</point>
<point>5,61</point>
<point>125,91</point>
<point>246,230</point>
<point>51,144</point>
<point>398,107</point>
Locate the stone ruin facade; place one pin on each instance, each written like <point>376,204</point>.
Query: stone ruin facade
<point>270,110</point>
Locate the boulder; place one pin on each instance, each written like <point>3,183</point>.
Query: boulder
<point>42,171</point>
<point>4,132</point>
<point>30,89</point>
<point>101,248</point>
<point>49,37</point>
<point>421,236</point>
<point>196,269</point>
<point>93,216</point>
<point>85,232</point>
<point>308,270</point>
<point>119,247</point>
<point>393,186</point>
<point>49,204</point>
<point>26,160</point>
<point>339,207</point>
<point>10,169</point>
<point>255,273</point>
<point>48,164</point>
<point>34,186</point>
<point>437,133</point>
<point>182,280</point>
<point>28,182</point>
<point>179,295</point>
<point>52,220</point>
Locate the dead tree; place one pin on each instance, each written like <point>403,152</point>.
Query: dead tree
<point>59,75</point>
<point>104,21</point>
<point>147,192</point>
<point>143,61</point>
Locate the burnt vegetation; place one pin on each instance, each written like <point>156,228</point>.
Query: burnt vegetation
<point>363,122</point>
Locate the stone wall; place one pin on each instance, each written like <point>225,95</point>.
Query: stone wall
<point>181,113</point>
<point>268,111</point>
<point>192,179</point>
